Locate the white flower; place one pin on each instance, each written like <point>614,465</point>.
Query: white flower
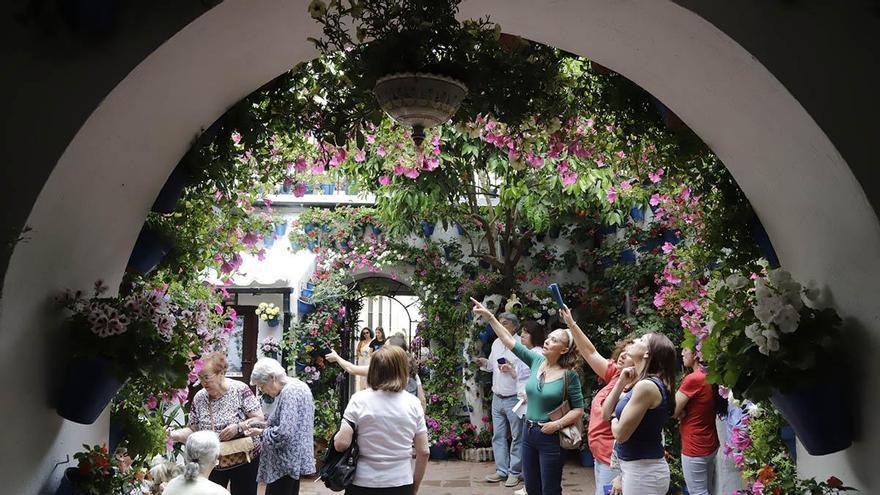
<point>787,319</point>
<point>551,311</point>
<point>761,290</point>
<point>771,342</point>
<point>754,410</point>
<point>736,281</point>
<point>753,330</point>
<point>766,308</point>
<point>779,277</point>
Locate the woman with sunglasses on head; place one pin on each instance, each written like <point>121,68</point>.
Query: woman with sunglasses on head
<point>542,456</point>
<point>638,417</point>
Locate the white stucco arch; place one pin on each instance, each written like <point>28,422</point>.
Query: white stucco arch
<point>90,210</point>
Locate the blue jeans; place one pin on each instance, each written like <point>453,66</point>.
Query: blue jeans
<point>604,475</point>
<point>508,461</point>
<point>542,462</point>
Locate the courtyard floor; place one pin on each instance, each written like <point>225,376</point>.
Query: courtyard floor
<point>465,478</point>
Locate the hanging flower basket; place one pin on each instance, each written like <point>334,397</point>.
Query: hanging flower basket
<point>89,385</point>
<point>306,292</point>
<point>637,214</point>
<point>280,228</point>
<point>273,322</point>
<point>819,415</point>
<point>328,188</point>
<point>459,229</point>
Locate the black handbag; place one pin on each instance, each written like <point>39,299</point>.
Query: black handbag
<point>337,473</point>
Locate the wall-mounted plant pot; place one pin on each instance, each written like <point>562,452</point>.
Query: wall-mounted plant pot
<point>652,244</point>
<point>628,257</point>
<point>286,187</point>
<point>306,292</point>
<point>459,229</point>
<point>89,385</point>
<point>670,236</point>
<point>304,307</point>
<point>325,228</point>
<point>427,228</point>
<point>447,252</point>
<point>67,481</point>
<point>328,188</point>
<point>439,452</point>
<point>819,415</point>
<point>554,232</point>
<point>375,230</point>
<point>310,286</point>
<point>149,249</point>
<point>607,230</point>
<point>484,264</point>
<point>167,199</point>
<point>762,239</point>
<point>486,334</point>
<point>786,433</point>
<point>309,227</point>
<point>280,228</point>
<point>273,322</point>
<point>312,245</point>
<point>268,240</point>
<point>637,214</point>
<point>300,366</point>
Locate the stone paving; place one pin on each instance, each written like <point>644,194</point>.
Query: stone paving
<point>455,477</point>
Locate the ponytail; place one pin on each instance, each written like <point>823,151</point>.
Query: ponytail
<point>191,470</point>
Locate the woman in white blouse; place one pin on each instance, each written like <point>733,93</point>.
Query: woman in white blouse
<point>389,421</point>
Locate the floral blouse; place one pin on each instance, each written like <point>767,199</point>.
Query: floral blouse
<point>231,407</point>
<point>288,440</point>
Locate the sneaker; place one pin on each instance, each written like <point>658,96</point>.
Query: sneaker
<point>494,478</point>
<point>512,481</point>
<point>521,491</point>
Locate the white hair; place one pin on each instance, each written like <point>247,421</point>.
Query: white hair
<point>265,369</point>
<point>202,449</point>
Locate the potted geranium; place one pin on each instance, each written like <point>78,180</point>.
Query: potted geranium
<point>767,337</point>
<point>270,348</point>
<point>99,473</point>
<point>268,312</point>
<point>114,338</point>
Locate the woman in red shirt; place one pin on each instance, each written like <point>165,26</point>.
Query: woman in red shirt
<point>599,435</point>
<point>695,406</point>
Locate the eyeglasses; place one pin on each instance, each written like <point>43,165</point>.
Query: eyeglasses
<point>541,377</point>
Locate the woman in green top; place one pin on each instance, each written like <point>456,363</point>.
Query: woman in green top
<point>542,457</point>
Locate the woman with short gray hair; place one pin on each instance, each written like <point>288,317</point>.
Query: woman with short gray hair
<point>287,437</point>
<point>200,457</point>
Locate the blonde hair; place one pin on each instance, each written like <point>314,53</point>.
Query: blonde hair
<point>570,357</point>
<point>388,369</point>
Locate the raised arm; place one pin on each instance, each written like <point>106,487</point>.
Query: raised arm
<point>503,334</point>
<point>585,347</point>
<point>354,369</point>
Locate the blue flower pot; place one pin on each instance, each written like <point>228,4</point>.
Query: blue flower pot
<point>88,387</point>
<point>427,228</point>
<point>66,486</point>
<point>637,214</point>
<point>328,188</point>
<point>819,416</point>
<point>628,257</point>
<point>375,230</point>
<point>312,245</point>
<point>787,434</point>
<point>459,229</point>
<point>484,264</point>
<point>607,230</point>
<point>652,244</point>
<point>310,286</point>
<point>670,236</point>
<point>447,252</point>
<point>273,322</point>
<point>486,334</point>
<point>166,201</point>
<point>306,292</point>
<point>586,458</point>
<point>439,452</point>
<point>281,228</point>
<point>268,240</point>
<point>300,366</point>
<point>304,307</point>
<point>149,249</point>
<point>286,188</point>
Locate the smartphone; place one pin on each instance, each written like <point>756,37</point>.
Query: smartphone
<point>554,290</point>
<point>501,360</point>
<point>606,489</point>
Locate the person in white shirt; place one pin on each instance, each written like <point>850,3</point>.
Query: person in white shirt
<point>389,421</point>
<point>200,457</point>
<point>503,366</point>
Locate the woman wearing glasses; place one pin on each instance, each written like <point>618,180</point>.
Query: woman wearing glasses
<point>542,456</point>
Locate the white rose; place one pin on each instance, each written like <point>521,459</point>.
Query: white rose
<point>766,308</point>
<point>761,289</point>
<point>779,277</point>
<point>753,330</point>
<point>772,339</point>
<point>787,319</point>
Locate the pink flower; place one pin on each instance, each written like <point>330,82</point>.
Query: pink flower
<point>299,190</point>
<point>384,180</point>
<point>399,169</point>
<point>569,178</point>
<point>317,168</point>
<point>301,165</point>
<point>655,176</point>
<point>689,305</point>
<point>218,309</point>
<point>236,137</point>
<point>431,164</point>
<point>250,239</point>
<point>668,247</point>
<point>360,156</point>
<point>412,173</point>
<point>612,194</point>
<point>671,277</point>
<point>535,161</point>
<point>380,150</point>
<point>152,403</point>
<point>371,138</point>
<point>659,301</point>
<point>655,200</point>
<point>261,254</point>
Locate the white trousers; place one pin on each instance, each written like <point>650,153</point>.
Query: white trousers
<point>645,477</point>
